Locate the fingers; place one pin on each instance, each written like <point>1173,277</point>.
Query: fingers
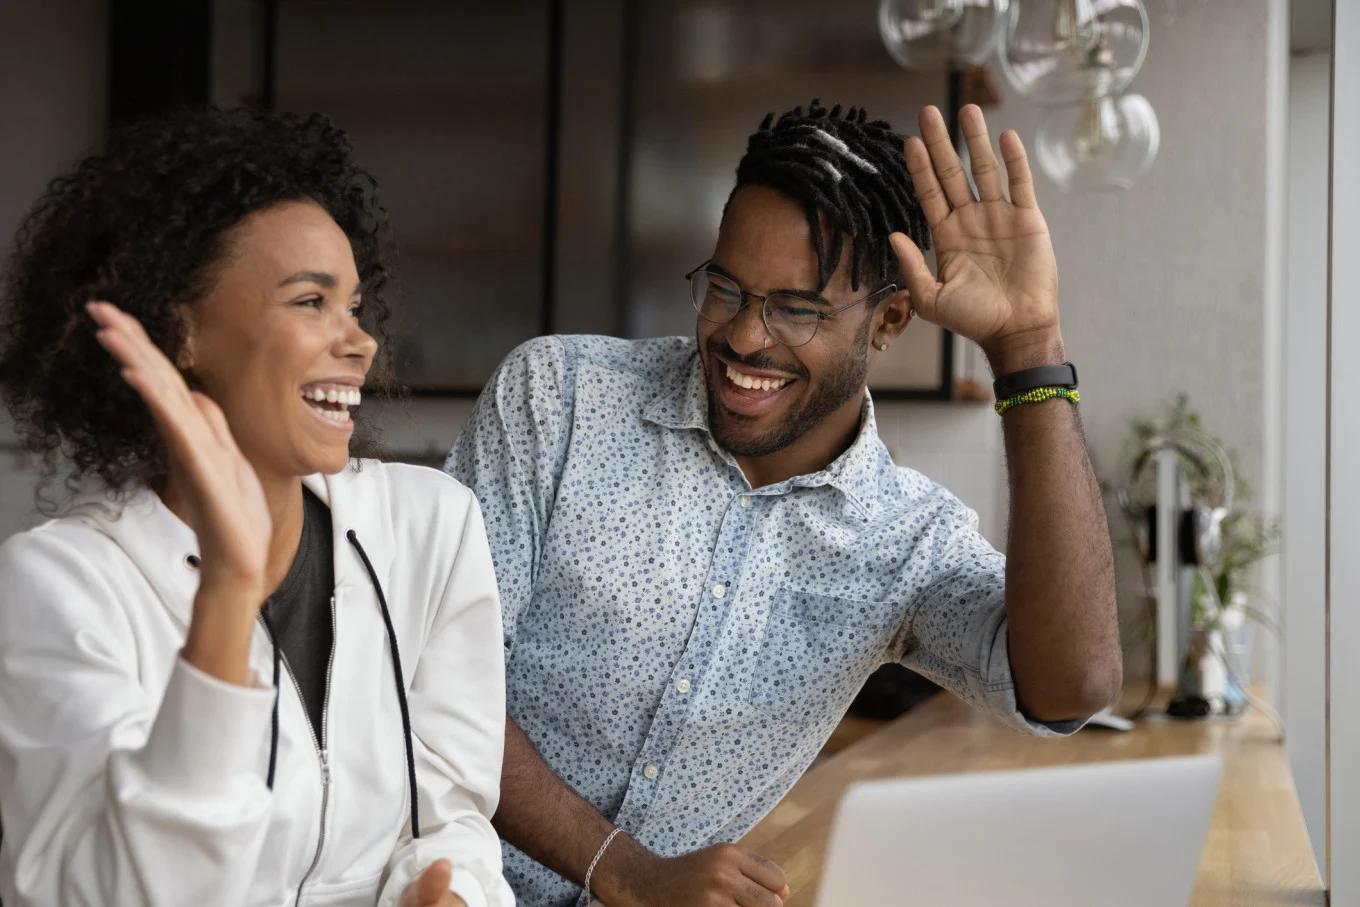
<point>764,872</point>
<point>986,174</point>
<point>216,419</point>
<point>928,191</point>
<point>944,158</point>
<point>915,272</point>
<point>1017,168</point>
<point>147,371</point>
<point>432,885</point>
<point>133,348</point>
<point>145,367</point>
<point>192,426</point>
<point>758,896</point>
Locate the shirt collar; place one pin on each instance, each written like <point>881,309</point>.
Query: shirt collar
<point>683,401</point>
<point>683,404</point>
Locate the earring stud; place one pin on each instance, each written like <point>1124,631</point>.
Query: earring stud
<point>883,347</point>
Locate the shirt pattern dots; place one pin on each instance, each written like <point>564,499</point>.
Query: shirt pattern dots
<point>679,645</point>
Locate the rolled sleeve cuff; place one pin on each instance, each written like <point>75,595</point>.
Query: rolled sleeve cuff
<point>464,884</point>
<point>994,688</point>
<point>207,732</point>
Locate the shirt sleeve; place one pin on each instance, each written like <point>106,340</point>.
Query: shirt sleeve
<point>511,454</point>
<point>114,793</point>
<point>956,632</point>
<point>457,705</point>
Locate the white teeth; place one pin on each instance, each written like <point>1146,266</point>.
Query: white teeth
<point>752,383</point>
<point>340,416</point>
<point>345,396</point>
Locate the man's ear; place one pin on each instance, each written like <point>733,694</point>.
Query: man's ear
<point>891,317</point>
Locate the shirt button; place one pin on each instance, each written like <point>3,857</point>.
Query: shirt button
<point>745,501</point>
<point>719,590</point>
<point>682,686</point>
<point>650,773</point>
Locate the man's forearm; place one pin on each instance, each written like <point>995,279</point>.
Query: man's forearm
<point>1060,595</point>
<point>550,822</point>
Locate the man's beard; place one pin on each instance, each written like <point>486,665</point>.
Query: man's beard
<point>836,388</point>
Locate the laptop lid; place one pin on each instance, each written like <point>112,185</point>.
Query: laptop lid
<point>1118,834</point>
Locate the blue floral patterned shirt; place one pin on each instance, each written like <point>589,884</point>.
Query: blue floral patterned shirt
<point>678,644</point>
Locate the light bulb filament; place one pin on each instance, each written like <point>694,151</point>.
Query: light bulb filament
<point>1099,130</point>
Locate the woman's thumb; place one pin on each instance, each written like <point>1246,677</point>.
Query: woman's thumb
<point>434,882</point>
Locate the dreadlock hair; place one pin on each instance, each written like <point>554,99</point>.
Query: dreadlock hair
<point>849,173</point>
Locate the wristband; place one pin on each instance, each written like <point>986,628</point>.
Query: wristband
<point>1038,395</point>
<point>1017,383</point>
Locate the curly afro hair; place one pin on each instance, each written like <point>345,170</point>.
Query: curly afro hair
<point>145,224</point>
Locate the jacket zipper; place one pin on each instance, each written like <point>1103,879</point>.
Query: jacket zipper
<point>322,754</point>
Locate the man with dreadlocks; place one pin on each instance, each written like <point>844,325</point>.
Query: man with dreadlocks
<point>703,548</point>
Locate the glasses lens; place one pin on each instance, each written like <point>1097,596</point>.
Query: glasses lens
<point>792,321</point>
<point>715,297</point>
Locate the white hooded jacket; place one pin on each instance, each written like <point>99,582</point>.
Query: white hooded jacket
<point>129,777</point>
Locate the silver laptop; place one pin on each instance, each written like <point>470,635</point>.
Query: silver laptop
<point>1117,834</point>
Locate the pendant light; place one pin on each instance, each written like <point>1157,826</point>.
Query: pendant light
<point>930,34</point>
<point>1104,144</point>
<point>1060,52</point>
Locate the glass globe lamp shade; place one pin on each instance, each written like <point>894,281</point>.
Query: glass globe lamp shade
<point>1060,52</point>
<point>929,34</point>
<point>1106,144</point>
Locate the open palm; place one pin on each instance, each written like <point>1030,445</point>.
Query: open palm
<point>997,277</point>
<point>227,508</point>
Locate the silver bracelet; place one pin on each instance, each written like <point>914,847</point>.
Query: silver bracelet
<point>595,862</point>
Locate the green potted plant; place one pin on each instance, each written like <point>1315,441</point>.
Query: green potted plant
<point>1247,539</point>
<point>1226,601</point>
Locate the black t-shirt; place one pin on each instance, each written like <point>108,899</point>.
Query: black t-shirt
<point>300,610</point>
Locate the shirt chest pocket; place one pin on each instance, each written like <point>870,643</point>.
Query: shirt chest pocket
<point>817,652</point>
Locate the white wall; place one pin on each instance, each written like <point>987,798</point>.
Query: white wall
<point>1270,648</point>
<point>52,109</point>
<point>1344,492</point>
<point>1305,458</point>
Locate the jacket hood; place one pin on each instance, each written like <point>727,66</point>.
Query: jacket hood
<point>165,549</point>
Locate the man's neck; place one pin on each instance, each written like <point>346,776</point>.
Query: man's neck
<point>811,453</point>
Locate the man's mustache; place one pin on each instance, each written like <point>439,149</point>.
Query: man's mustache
<point>758,361</point>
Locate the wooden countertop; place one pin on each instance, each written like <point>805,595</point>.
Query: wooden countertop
<point>1257,852</point>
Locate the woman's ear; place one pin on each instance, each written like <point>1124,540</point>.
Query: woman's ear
<point>186,359</point>
<point>891,317</point>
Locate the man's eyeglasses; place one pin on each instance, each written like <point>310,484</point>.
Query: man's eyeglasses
<point>791,320</point>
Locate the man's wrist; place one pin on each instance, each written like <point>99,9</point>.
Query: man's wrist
<point>621,874</point>
<point>1022,351</point>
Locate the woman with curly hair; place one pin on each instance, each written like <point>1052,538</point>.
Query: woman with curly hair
<point>241,667</point>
